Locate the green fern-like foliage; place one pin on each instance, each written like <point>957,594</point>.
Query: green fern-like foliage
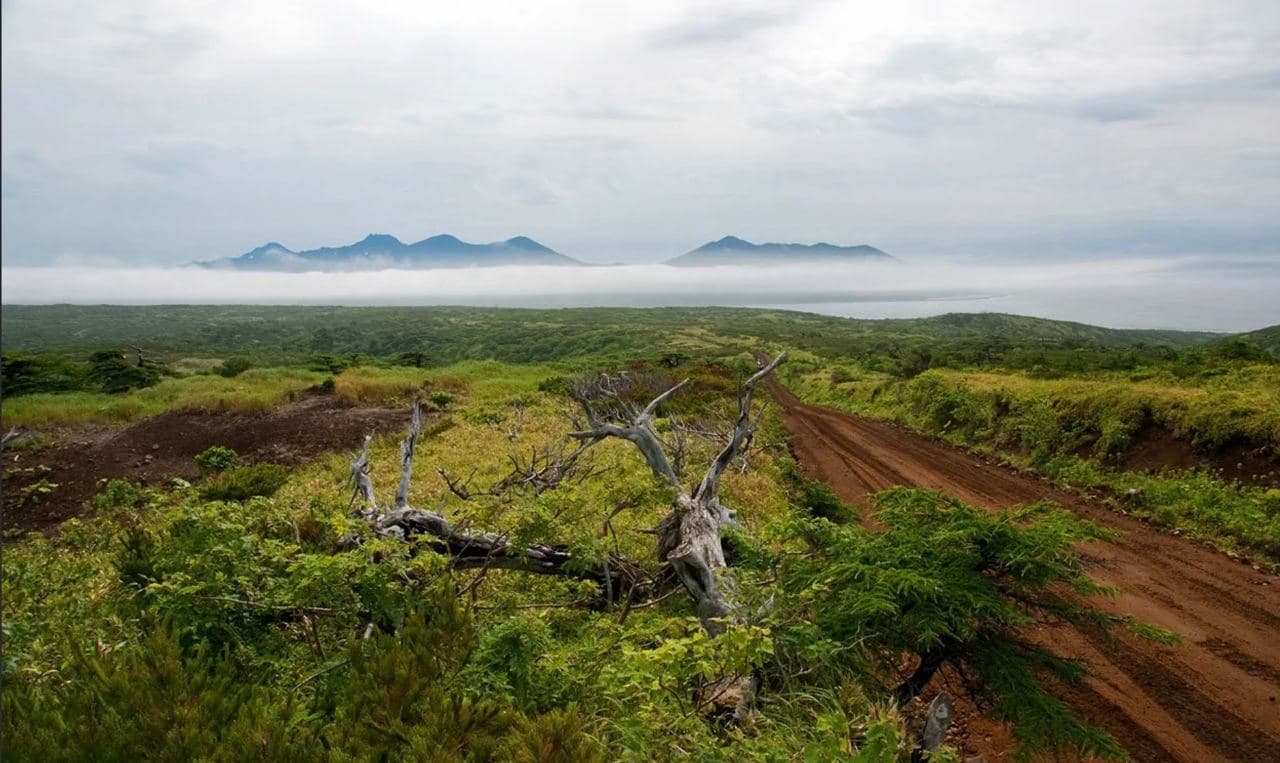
<point>951,583</point>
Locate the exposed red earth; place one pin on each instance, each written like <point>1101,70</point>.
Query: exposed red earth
<point>157,449</point>
<point>1212,697</point>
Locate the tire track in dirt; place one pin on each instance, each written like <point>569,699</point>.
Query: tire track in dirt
<point>1211,697</point>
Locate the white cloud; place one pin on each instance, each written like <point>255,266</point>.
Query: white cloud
<point>167,132</point>
<point>1122,292</point>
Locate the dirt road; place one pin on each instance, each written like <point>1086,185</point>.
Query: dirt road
<point>1213,697</point>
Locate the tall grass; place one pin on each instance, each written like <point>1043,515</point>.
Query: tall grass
<point>380,386</point>
<point>256,389</point>
<point>1067,427</point>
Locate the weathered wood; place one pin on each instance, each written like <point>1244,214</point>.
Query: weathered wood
<point>639,430</point>
<point>363,483</point>
<point>689,535</point>
<point>545,468</point>
<point>936,722</point>
<point>406,455</point>
<point>470,549</point>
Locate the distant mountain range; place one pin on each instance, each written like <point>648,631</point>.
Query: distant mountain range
<point>732,250</point>
<point>379,251</point>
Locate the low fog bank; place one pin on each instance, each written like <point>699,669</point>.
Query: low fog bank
<point>1183,293</point>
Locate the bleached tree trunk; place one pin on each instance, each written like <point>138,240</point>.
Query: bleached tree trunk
<point>689,536</point>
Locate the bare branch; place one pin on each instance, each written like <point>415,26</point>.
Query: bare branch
<point>543,469</point>
<point>460,489</point>
<point>406,455</point>
<point>639,431</point>
<point>743,429</point>
<point>468,549</point>
<point>362,481</point>
<point>652,407</point>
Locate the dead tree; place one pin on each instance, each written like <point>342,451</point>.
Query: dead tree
<point>689,535</point>
<point>468,549</point>
<point>542,469</point>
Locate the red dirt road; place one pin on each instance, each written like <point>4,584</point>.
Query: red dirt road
<point>1212,697</point>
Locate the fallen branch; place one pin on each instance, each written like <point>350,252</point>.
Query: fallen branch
<point>469,549</point>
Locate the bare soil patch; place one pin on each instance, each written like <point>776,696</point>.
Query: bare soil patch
<point>1155,448</point>
<point>155,450</point>
<point>1212,697</point>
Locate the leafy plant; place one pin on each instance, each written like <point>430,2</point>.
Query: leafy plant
<point>216,458</point>
<point>950,583</point>
<point>117,495</point>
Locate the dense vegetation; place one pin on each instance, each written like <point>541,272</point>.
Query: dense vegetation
<point>234,618</point>
<point>198,622</point>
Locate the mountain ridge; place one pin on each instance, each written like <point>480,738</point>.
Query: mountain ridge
<point>731,250</point>
<point>383,250</point>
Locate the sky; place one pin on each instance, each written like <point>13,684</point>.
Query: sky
<point>156,133</point>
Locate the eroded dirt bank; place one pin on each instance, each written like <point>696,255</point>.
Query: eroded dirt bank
<point>1212,697</point>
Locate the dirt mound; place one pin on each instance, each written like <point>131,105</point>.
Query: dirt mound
<point>1212,697</point>
<point>155,450</point>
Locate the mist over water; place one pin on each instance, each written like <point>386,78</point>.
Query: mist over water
<point>1124,292</point>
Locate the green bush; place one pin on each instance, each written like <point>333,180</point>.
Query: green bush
<point>112,371</point>
<point>233,367</point>
<point>246,482</point>
<point>816,499</point>
<point>117,495</point>
<point>216,459</point>
<point>441,400</point>
<point>27,374</point>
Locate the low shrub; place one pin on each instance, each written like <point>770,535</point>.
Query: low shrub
<point>246,482</point>
<point>233,367</point>
<point>218,458</point>
<point>117,495</point>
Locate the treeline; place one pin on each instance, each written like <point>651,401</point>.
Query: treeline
<point>109,371</point>
<point>305,336</point>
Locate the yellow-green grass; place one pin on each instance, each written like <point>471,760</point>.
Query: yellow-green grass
<point>1241,404</point>
<point>483,381</point>
<point>1244,403</point>
<point>1048,424</point>
<point>255,389</point>
<point>522,419</point>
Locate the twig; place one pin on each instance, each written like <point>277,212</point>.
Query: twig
<point>275,607</point>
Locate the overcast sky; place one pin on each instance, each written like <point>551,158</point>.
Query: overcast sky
<point>164,132</point>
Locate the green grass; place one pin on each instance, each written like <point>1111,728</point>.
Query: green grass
<point>256,389</point>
